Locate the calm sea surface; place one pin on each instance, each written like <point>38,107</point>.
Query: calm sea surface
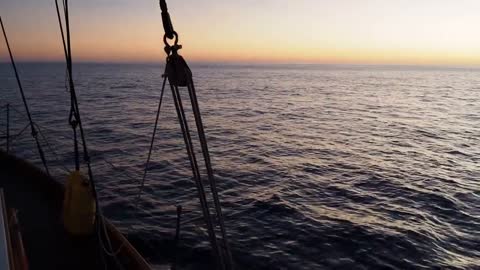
<point>319,167</point>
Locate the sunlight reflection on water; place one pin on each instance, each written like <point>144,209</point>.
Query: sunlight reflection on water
<point>319,166</point>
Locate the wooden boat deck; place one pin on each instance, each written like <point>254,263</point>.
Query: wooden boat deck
<point>38,200</point>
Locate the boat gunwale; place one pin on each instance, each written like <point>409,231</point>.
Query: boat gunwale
<point>127,255</point>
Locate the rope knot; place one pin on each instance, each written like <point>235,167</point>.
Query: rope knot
<point>74,123</point>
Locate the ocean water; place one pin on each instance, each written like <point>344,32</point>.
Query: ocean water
<point>319,167</point>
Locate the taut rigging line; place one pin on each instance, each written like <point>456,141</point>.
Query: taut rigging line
<point>32,124</point>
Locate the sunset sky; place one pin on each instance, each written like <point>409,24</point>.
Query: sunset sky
<point>277,31</point>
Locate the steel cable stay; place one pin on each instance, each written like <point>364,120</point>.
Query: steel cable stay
<point>34,132</point>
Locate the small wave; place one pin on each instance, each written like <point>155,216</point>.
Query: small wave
<point>124,86</point>
<point>458,153</point>
<point>344,170</point>
<point>429,134</point>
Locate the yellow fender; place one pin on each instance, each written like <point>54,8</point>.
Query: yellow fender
<point>78,205</point>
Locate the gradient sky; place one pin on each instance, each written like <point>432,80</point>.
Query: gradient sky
<point>286,31</point>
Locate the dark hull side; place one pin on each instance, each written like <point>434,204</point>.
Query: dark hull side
<point>38,199</point>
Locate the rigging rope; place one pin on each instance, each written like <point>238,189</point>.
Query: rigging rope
<point>180,75</point>
<point>32,125</point>
<point>49,146</point>
<point>152,140</point>
<point>125,174</point>
<point>74,115</point>
<point>147,163</point>
<point>208,164</point>
<point>75,122</point>
<point>194,166</point>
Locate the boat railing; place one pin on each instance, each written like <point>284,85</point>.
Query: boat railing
<point>6,133</point>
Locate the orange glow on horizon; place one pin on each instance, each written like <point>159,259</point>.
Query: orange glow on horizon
<point>282,31</point>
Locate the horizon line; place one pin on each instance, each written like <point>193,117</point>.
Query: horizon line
<point>245,63</point>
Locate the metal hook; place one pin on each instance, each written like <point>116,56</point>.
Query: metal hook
<point>171,48</point>
<point>175,37</point>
